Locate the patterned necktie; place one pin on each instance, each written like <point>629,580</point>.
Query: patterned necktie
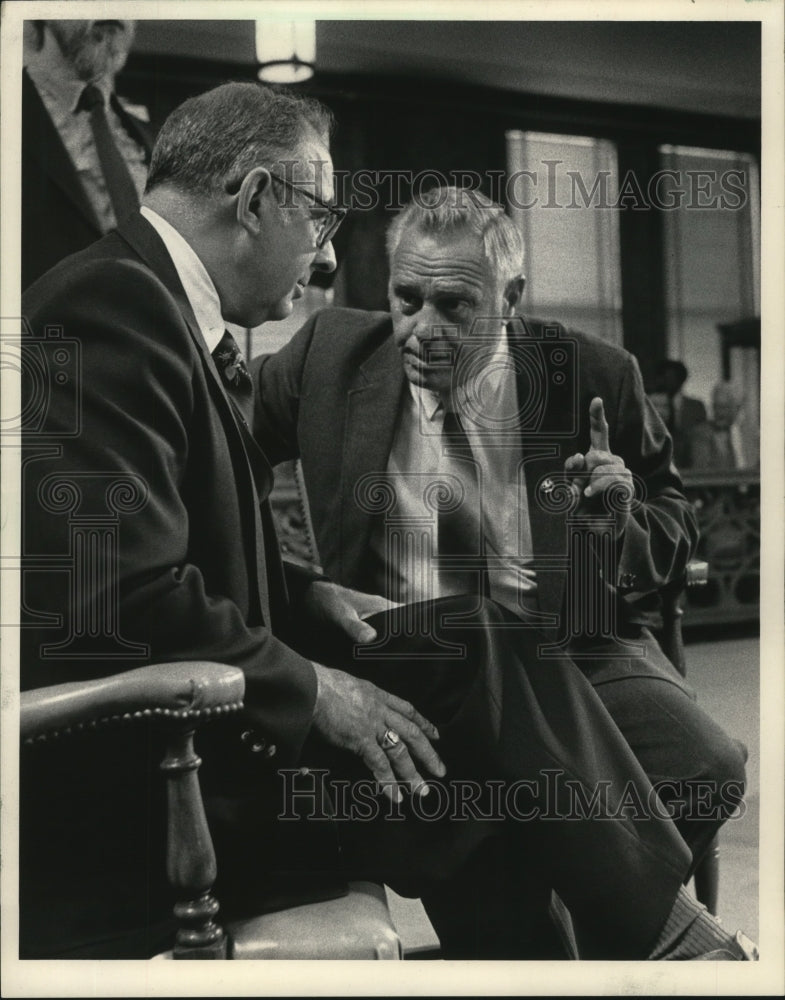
<point>236,378</point>
<point>461,555</point>
<point>238,383</point>
<point>119,183</point>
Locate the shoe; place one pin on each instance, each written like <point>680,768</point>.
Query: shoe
<point>742,950</point>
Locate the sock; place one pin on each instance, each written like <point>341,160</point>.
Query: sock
<point>689,931</point>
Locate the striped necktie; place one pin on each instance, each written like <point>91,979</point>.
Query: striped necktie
<point>460,539</point>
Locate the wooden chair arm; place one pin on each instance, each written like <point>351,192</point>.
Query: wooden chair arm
<point>183,690</point>
<point>178,697</point>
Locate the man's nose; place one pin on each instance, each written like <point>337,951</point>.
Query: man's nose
<point>429,325</point>
<point>325,259</point>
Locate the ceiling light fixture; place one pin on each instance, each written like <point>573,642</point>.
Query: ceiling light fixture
<point>285,50</point>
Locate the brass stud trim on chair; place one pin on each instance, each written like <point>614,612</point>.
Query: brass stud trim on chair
<point>186,714</point>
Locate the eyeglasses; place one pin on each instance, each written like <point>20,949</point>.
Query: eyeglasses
<point>329,222</point>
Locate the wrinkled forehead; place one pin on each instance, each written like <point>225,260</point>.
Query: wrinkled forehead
<point>442,260</point>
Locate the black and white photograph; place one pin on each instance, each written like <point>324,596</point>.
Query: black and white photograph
<point>392,485</point>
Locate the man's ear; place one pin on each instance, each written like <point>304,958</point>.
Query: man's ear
<point>251,204</point>
<point>512,294</point>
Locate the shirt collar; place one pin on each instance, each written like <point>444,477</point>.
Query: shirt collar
<point>429,402</point>
<point>196,282</point>
<point>51,72</point>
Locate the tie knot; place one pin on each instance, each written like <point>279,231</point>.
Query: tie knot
<point>92,97</point>
<point>231,364</point>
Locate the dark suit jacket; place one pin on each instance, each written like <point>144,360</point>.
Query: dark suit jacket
<point>191,571</point>
<point>692,415</point>
<point>190,575</point>
<point>332,394</point>
<point>133,433</point>
<point>57,217</point>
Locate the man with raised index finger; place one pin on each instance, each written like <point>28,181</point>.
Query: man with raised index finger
<point>237,214</point>
<point>558,496</point>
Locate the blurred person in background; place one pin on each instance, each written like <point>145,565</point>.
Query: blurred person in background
<point>85,151</point>
<point>717,443</point>
<point>680,412</point>
<point>451,413</point>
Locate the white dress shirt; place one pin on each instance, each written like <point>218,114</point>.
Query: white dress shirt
<point>416,460</point>
<point>737,446</point>
<point>197,283</point>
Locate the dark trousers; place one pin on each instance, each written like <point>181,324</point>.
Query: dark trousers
<point>578,812</point>
<point>543,791</point>
<point>697,769</point>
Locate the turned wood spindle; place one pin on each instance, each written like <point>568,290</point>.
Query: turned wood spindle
<point>190,861</point>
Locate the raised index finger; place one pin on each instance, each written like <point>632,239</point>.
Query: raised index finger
<point>598,426</point>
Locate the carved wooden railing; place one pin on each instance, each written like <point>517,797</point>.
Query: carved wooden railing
<point>728,508</point>
<point>292,518</point>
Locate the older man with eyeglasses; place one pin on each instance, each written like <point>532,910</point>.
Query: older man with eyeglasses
<point>235,218</point>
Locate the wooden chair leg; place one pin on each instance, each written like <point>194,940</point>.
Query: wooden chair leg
<point>190,860</point>
<point>707,878</point>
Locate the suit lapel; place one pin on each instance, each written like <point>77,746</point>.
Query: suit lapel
<point>136,129</point>
<point>546,441</point>
<point>43,142</point>
<point>255,476</point>
<point>371,416</point>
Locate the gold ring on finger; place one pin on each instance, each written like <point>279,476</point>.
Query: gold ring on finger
<point>390,739</point>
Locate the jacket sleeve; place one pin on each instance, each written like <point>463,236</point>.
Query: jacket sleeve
<point>278,380</point>
<point>138,426</point>
<point>662,532</point>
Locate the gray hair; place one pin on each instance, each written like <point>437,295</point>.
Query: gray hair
<point>452,209</point>
<point>210,142</point>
